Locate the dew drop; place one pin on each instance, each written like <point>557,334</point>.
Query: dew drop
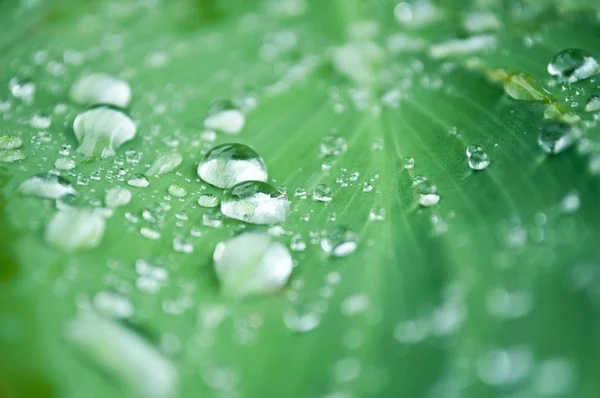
<point>100,88</point>
<point>177,191</point>
<point>165,163</point>
<point>333,145</point>
<point>149,233</point>
<point>138,181</point>
<point>573,65</point>
<point>252,263</point>
<point>408,163</point>
<point>208,200</point>
<point>113,304</point>
<point>426,192</point>
<point>9,141</point>
<point>213,220</point>
<point>117,196</point>
<point>297,244</point>
<point>322,193</point>
<point>522,86</point>
<point>46,185</point>
<point>225,117</point>
<point>557,136</point>
<point>339,242</point>
<point>255,202</point>
<point>102,130</point>
<point>64,164</point>
<point>22,88</point>
<point>229,164</point>
<point>593,104</point>
<point>11,155</point>
<point>74,229</point>
<point>478,159</point>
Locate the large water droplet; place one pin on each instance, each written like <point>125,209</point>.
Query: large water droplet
<point>477,157</point>
<point>255,202</point>
<point>252,263</point>
<point>557,136</point>
<point>100,88</point>
<point>593,104</point>
<point>225,117</point>
<point>229,164</point>
<point>165,163</point>
<point>74,229</point>
<point>47,185</point>
<point>102,130</point>
<point>573,65</point>
<point>339,242</point>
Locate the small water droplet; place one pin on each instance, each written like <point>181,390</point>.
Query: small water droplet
<point>225,117</point>
<point>573,65</point>
<point>377,214</point>
<point>138,181</point>
<point>182,245</point>
<point>301,318</point>
<point>65,164</point>
<point>208,200</point>
<point>102,130</point>
<point>149,233</point>
<point>22,88</point>
<point>570,203</point>
<point>229,164</point>
<point>177,190</point>
<point>255,202</point>
<point>47,185</point>
<point>212,219</point>
<point>478,159</point>
<point>252,263</point>
<point>409,163</point>
<point>165,163</point>
<point>593,104</point>
<point>100,88</point>
<point>339,242</point>
<point>297,244</point>
<point>522,86</point>
<point>426,192</point>
<point>557,136</point>
<point>117,196</point>
<point>40,121</point>
<point>333,145</point>
<point>113,304</point>
<point>74,229</point>
<point>322,193</point>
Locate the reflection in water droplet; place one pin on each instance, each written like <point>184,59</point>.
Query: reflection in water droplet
<point>225,117</point>
<point>255,202</point>
<point>252,263</point>
<point>102,130</point>
<point>573,65</point>
<point>557,136</point>
<point>339,242</point>
<point>74,229</point>
<point>229,164</point>
<point>47,185</point>
<point>100,88</point>
<point>478,159</point>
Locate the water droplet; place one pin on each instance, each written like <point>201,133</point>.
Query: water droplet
<point>255,202</point>
<point>499,367</point>
<point>426,192</point>
<point>570,203</point>
<point>117,196</point>
<point>225,117</point>
<point>411,331</point>
<point>182,245</point>
<point>477,157</point>
<point>47,185</point>
<point>208,200</point>
<point>9,141</point>
<point>355,304</point>
<point>102,130</point>
<point>297,244</point>
<point>11,155</point>
<point>40,121</point>
<point>64,164</point>
<point>322,193</point>
<point>149,233</point>
<point>377,214</point>
<point>301,318</point>
<point>229,164</point>
<point>557,136</point>
<point>339,242</point>
<point>22,89</point>
<point>409,163</point>
<point>74,229</point>
<point>592,105</point>
<point>212,219</point>
<point>165,163</point>
<point>138,181</point>
<point>524,87</point>
<point>573,65</point>
<point>333,145</point>
<point>177,190</point>
<point>252,263</point>
<point>100,88</point>
<point>113,304</point>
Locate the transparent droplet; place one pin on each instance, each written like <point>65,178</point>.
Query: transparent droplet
<point>47,185</point>
<point>182,245</point>
<point>100,88</point>
<point>229,164</point>
<point>297,244</point>
<point>165,163</point>
<point>74,229</point>
<point>573,65</point>
<point>322,193</point>
<point>377,214</point>
<point>149,233</point>
<point>252,263</point>
<point>409,163</point>
<point>255,202</point>
<point>478,159</point>
<point>300,193</point>
<point>40,121</point>
<point>177,190</point>
<point>557,136</point>
<point>301,318</point>
<point>117,196</point>
<point>212,219</point>
<point>333,145</point>
<point>22,88</point>
<point>225,117</point>
<point>102,130</point>
<point>9,141</point>
<point>11,155</point>
<point>592,105</point>
<point>339,242</point>
<point>426,192</point>
<point>138,181</point>
<point>208,200</point>
<point>65,164</point>
<point>524,87</point>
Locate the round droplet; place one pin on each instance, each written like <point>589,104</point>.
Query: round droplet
<point>557,136</point>
<point>100,88</point>
<point>229,164</point>
<point>138,181</point>
<point>46,185</point>
<point>117,196</point>
<point>477,157</point>
<point>339,242</point>
<point>102,130</point>
<point>225,117</point>
<point>208,200</point>
<point>64,164</point>
<point>524,87</point>
<point>177,190</point>
<point>74,229</point>
<point>9,141</point>
<point>322,193</point>
<point>255,202</point>
<point>426,192</point>
<point>333,145</point>
<point>165,163</point>
<point>252,263</point>
<point>573,65</point>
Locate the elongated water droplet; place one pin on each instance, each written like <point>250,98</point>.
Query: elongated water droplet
<point>333,145</point>
<point>524,87</point>
<point>593,104</point>
<point>477,157</point>
<point>75,229</point>
<point>339,242</point>
<point>100,88</point>
<point>102,130</point>
<point>9,141</point>
<point>573,65</point>
<point>225,117</point>
<point>117,196</point>
<point>255,202</point>
<point>46,185</point>
<point>557,136</point>
<point>208,200</point>
<point>322,193</point>
<point>165,163</point>
<point>138,181</point>
<point>426,192</point>
<point>64,164</point>
<point>11,155</point>
<point>229,164</point>
<point>149,233</point>
<point>177,190</point>
<point>252,263</point>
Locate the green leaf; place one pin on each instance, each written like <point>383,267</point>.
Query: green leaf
<point>492,292</point>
